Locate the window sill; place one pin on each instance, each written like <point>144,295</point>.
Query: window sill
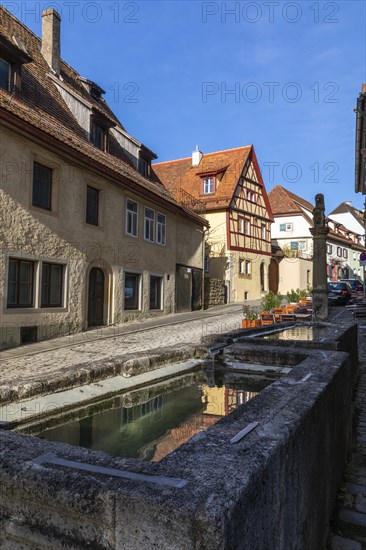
<point>92,226</point>
<point>32,310</point>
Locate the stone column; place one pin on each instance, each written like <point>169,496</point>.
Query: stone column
<point>320,287</point>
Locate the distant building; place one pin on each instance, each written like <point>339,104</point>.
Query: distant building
<point>87,237</point>
<point>360,172</point>
<point>293,245</point>
<point>228,189</point>
<point>350,217</point>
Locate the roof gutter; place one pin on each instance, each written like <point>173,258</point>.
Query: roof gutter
<point>58,147</point>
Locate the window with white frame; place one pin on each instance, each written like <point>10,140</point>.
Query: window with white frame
<point>264,232</point>
<point>131,218</point>
<point>149,233</point>
<point>132,291</point>
<point>20,283</point>
<point>160,228</point>
<point>52,285</point>
<point>244,226</point>
<point>302,245</point>
<point>339,251</point>
<point>208,186</point>
<point>156,284</point>
<point>245,267</point>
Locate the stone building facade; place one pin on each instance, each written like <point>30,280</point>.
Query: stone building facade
<point>86,237</point>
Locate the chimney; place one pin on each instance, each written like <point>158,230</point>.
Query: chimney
<point>196,157</point>
<point>51,47</point>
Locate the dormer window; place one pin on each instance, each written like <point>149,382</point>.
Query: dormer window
<point>144,167</point>
<point>208,185</point>
<point>99,136</point>
<point>5,75</point>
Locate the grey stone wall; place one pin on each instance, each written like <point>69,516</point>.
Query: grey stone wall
<point>274,489</point>
<point>214,292</point>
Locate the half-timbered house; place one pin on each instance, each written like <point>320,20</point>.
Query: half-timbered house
<point>228,189</point>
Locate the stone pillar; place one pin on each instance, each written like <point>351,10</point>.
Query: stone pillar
<point>320,287</point>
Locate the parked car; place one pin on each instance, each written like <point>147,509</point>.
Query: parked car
<point>339,293</point>
<point>355,284</point>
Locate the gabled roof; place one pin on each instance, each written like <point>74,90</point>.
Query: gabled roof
<point>227,164</point>
<point>41,114</point>
<point>347,208</point>
<point>284,202</point>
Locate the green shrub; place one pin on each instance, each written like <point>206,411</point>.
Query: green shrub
<point>293,295</point>
<point>249,313</point>
<point>271,301</point>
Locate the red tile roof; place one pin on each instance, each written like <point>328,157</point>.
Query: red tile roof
<point>181,175</point>
<point>284,202</point>
<point>41,111</point>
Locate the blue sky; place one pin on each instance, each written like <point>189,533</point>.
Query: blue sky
<point>294,70</point>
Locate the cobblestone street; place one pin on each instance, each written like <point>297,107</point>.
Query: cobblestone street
<point>44,360</point>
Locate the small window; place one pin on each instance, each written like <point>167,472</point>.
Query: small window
<point>144,167</point>
<point>302,245</point>
<point>132,291</point>
<point>329,249</point>
<point>149,224</point>
<point>5,75</point>
<point>160,229</point>
<point>42,186</point>
<point>131,218</point>
<point>99,136</point>
<point>294,245</point>
<point>288,226</point>
<point>52,275</point>
<point>246,227</point>
<point>345,253</point>
<point>20,283</point>
<point>155,292</point>
<point>264,232</point>
<point>339,251</point>
<point>282,227</point>
<point>92,205</point>
<point>208,186</point>
<point>245,267</point>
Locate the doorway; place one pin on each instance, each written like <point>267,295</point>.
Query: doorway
<point>96,298</point>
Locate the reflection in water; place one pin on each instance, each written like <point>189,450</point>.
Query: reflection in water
<point>152,429</point>
<point>299,333</point>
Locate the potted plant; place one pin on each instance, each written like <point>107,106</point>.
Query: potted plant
<point>250,317</point>
<point>293,296</point>
<point>271,301</point>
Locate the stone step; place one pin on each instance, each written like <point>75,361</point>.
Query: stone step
<point>340,543</point>
<point>352,522</point>
<point>354,489</point>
